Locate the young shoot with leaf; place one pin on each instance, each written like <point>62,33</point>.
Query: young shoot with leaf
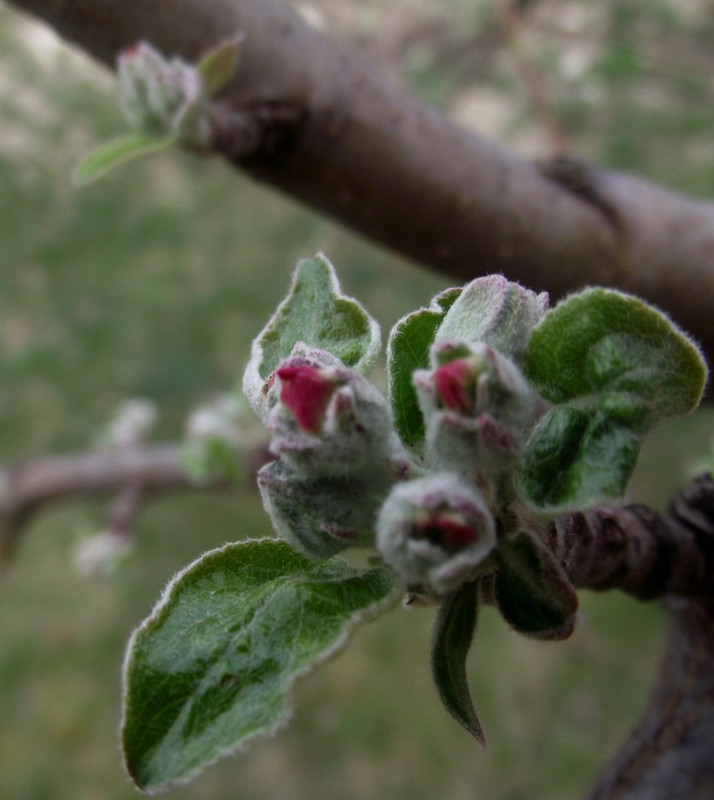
<point>501,416</point>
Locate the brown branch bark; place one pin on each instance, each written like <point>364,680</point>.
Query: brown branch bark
<point>640,552</point>
<point>382,163</point>
<point>669,754</point>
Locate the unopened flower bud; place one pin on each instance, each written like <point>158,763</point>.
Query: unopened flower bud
<point>329,420</point>
<point>477,406</point>
<point>321,516</point>
<point>436,532</point>
<point>306,391</point>
<point>161,96</point>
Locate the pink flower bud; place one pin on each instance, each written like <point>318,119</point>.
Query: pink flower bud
<point>306,391</point>
<point>163,97</point>
<point>456,384</point>
<point>448,530</point>
<point>436,532</point>
<point>327,419</point>
<point>477,407</point>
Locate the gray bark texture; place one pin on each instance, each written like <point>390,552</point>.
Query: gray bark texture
<point>346,142</point>
<point>382,163</point>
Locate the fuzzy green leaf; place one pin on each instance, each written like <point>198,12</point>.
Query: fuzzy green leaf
<point>614,367</point>
<point>494,310</point>
<point>453,634</point>
<point>316,313</point>
<point>532,591</point>
<point>408,350</point>
<point>118,151</point>
<point>213,665</point>
<point>218,66</point>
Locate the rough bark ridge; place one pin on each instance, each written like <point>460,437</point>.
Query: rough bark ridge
<point>387,166</point>
<point>377,160</point>
<point>669,754</point>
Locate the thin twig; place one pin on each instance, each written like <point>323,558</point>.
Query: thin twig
<point>137,473</point>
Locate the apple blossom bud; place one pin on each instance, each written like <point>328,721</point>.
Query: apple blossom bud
<point>306,391</point>
<point>162,97</point>
<point>329,420</point>
<point>319,517</point>
<point>436,532</point>
<point>477,406</point>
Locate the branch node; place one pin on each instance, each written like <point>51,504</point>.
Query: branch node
<point>263,134</point>
<point>581,179</point>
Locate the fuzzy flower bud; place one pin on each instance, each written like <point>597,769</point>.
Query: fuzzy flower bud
<point>477,406</point>
<point>436,532</point>
<point>162,97</point>
<point>321,516</point>
<point>329,420</point>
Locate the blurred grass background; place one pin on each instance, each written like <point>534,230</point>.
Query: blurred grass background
<point>152,284</point>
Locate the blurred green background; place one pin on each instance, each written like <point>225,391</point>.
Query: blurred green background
<point>152,283</point>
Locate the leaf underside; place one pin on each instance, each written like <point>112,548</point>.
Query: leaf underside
<point>532,591</point>
<point>453,634</point>
<point>213,665</point>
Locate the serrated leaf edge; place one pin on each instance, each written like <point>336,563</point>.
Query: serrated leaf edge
<point>253,381</point>
<point>367,615</point>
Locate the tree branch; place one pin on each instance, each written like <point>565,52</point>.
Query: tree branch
<point>148,470</point>
<point>640,552</point>
<point>376,159</point>
<point>669,754</point>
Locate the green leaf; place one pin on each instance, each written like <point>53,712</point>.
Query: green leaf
<point>614,367</point>
<point>453,634</point>
<point>218,66</point>
<point>604,340</point>
<point>532,591</point>
<point>213,665</point>
<point>408,350</point>
<point>316,313</point>
<point>119,151</point>
<point>576,459</point>
<point>496,311</point>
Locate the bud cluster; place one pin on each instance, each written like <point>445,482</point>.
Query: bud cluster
<point>163,97</point>
<point>341,476</point>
